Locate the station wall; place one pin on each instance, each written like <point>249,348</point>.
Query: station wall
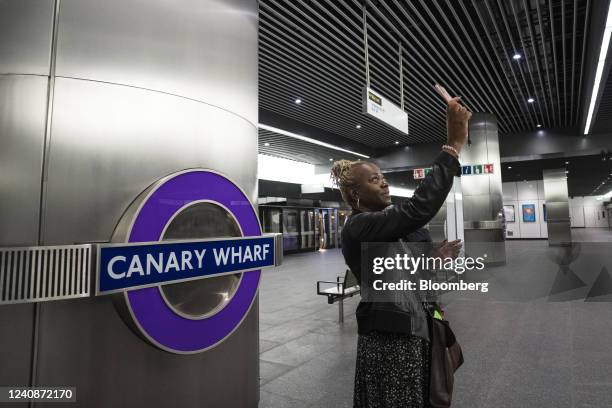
<point>584,211</point>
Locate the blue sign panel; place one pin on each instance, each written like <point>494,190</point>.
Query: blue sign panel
<point>136,265</point>
<point>466,170</point>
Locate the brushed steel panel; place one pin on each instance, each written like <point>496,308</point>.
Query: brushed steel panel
<point>475,185</point>
<point>23,101</point>
<point>201,49</point>
<point>223,377</point>
<point>25,36</point>
<point>557,206</point>
<point>556,190</point>
<point>557,211</point>
<point>102,157</point>
<point>559,232</point>
<point>16,347</point>
<point>477,208</point>
<point>476,151</point>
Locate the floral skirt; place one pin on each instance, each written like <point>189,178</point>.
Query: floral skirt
<point>392,371</point>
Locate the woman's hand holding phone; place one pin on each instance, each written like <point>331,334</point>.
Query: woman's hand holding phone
<point>457,117</point>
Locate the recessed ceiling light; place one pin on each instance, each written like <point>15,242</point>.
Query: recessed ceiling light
<point>358,126</point>
<point>509,167</point>
<point>531,100</point>
<point>331,159</point>
<point>397,142</point>
<point>298,100</point>
<point>517,56</point>
<point>538,125</point>
<point>566,162</point>
<point>266,144</point>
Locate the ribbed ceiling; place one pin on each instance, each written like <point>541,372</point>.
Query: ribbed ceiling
<point>587,175</point>
<point>314,50</point>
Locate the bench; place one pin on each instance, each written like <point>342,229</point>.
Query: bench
<point>343,287</point>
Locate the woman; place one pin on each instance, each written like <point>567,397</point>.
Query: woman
<point>392,367</point>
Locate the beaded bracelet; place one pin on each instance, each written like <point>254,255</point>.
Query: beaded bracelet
<point>451,148</point>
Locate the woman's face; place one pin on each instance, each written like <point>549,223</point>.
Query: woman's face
<point>372,190</point>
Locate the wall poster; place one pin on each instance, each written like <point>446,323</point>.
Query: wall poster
<point>529,214</point>
<point>509,213</point>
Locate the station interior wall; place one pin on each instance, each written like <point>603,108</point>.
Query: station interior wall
<point>585,212</point>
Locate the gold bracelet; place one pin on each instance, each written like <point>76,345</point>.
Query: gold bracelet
<point>451,148</point>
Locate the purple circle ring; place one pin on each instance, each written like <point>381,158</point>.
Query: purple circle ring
<point>155,319</point>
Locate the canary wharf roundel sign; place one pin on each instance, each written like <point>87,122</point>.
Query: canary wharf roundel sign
<point>188,269</point>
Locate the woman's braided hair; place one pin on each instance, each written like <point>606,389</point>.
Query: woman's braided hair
<point>342,177</point>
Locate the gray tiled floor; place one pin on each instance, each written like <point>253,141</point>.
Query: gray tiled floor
<point>523,347</point>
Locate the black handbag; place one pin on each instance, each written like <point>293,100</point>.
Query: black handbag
<point>446,358</point>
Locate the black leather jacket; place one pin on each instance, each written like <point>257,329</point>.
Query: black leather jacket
<point>389,225</point>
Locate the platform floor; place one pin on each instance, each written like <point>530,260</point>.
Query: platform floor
<point>526,344</point>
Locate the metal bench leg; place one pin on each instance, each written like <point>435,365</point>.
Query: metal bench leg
<point>341,311</point>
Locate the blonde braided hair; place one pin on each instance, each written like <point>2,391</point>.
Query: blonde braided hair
<point>342,177</point>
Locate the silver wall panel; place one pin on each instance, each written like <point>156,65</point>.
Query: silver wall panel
<point>559,232</point>
<point>25,36</point>
<point>16,322</point>
<point>557,206</point>
<point>23,110</point>
<point>109,142</point>
<point>476,205</point>
<point>557,210</point>
<point>84,343</point>
<point>202,49</point>
<point>474,185</point>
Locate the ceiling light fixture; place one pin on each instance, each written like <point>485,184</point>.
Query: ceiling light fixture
<point>566,162</point>
<point>307,139</point>
<point>603,52</point>
<point>298,100</point>
<point>358,126</point>
<point>531,100</point>
<point>517,56</point>
<point>509,167</point>
<point>266,144</point>
<point>397,142</point>
<point>538,125</point>
<point>331,159</point>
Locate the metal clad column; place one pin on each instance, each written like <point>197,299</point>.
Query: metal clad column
<point>557,206</point>
<point>123,92</point>
<point>482,193</point>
